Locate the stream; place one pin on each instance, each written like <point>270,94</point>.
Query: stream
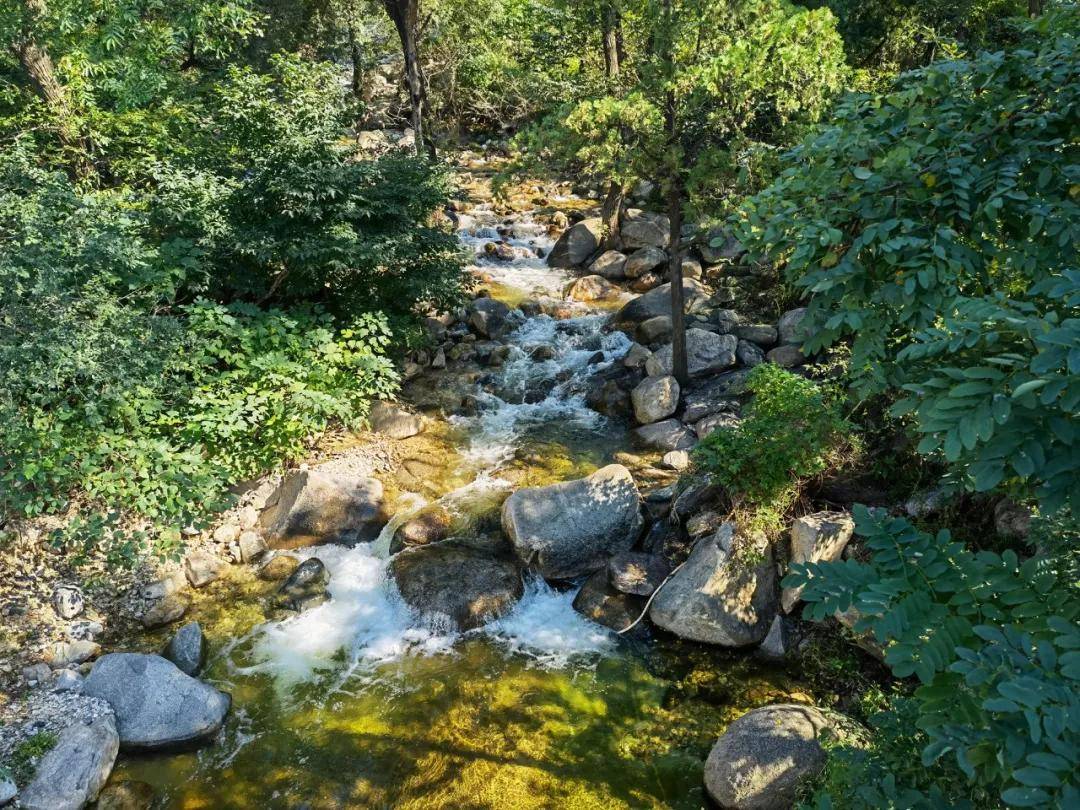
<point>353,704</point>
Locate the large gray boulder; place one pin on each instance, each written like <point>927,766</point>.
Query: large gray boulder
<point>713,394</point>
<point>569,529</point>
<point>488,317</point>
<point>759,761</point>
<point>316,506</point>
<point>820,537</point>
<point>657,301</point>
<point>655,398</point>
<point>72,774</point>
<point>455,587</point>
<point>157,706</point>
<point>706,353</point>
<point>716,597</point>
<point>642,229</point>
<point>577,244</point>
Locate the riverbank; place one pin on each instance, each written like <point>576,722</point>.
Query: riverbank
<point>366,699</point>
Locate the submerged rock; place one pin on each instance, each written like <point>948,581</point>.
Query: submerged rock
<point>430,525</point>
<point>314,506</point>
<point>306,586</point>
<point>759,761</point>
<point>157,706</point>
<point>455,587</point>
<point>600,602</point>
<point>569,529</point>
<point>716,597</point>
<point>74,771</point>
<point>125,795</point>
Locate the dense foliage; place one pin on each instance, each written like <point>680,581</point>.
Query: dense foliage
<point>789,432</point>
<point>936,227</point>
<point>199,274</point>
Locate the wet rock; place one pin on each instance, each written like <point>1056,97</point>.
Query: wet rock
<point>187,648</point>
<point>577,244</point>
<point>251,545</point>
<point>126,795</point>
<point>67,601</point>
<point>568,529</point>
<point>166,611</point>
<point>670,434</point>
<point>315,506</point>
<point>598,601</point>
<point>643,261</point>
<point>202,568</point>
<point>611,264</point>
<point>718,598</point>
<point>394,421</point>
<point>759,761</point>
<point>641,229</point>
<point>157,706</point>
<point>278,567</point>
<point>67,653</point>
<point>749,354</point>
<point>500,251</point>
<point>763,334</point>
<point>777,644</point>
<point>74,771</point>
<point>488,317</point>
<point>306,586</point>
<point>455,587</point>
<point>675,460</point>
<point>430,525</point>
<point>655,398</point>
<point>590,288</point>
<point>820,537</point>
<point>786,356</point>
<point>637,573</point>
<point>790,329</point>
<point>706,353</point>
<point>654,329</point>
<point>658,301</point>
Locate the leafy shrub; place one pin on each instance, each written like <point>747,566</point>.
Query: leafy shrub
<point>789,432</point>
<point>936,228</point>
<point>994,642</point>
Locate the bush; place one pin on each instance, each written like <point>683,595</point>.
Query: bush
<point>993,641</point>
<point>789,432</point>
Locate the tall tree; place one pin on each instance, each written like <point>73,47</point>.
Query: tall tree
<point>405,16</point>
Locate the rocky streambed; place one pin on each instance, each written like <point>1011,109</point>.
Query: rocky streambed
<point>474,622</point>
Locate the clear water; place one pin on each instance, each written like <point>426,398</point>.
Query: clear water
<point>353,704</point>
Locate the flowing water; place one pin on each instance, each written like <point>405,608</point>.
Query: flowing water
<point>353,704</point>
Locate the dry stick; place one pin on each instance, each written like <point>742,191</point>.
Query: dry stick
<point>645,610</point>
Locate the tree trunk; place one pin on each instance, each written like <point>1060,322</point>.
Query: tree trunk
<point>356,57</point>
<point>678,304</point>
<point>404,15</point>
<point>611,214</point>
<point>612,35</point>
<point>39,67</point>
